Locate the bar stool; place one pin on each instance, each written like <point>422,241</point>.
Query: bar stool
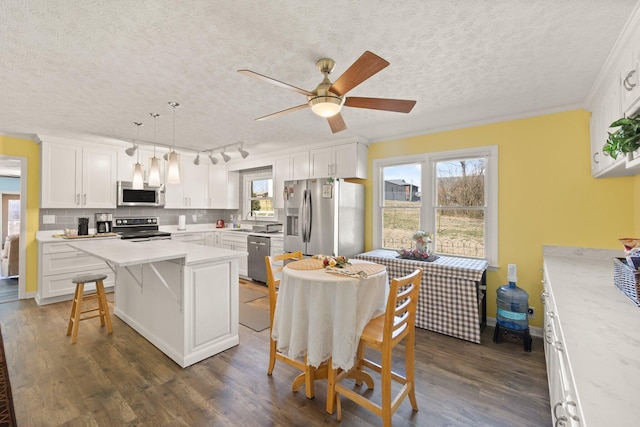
<point>80,296</point>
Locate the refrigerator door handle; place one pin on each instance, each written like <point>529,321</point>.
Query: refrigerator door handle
<point>303,223</point>
<point>309,215</point>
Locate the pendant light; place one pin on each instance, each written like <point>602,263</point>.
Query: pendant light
<point>154,166</point>
<point>138,176</point>
<point>173,168</point>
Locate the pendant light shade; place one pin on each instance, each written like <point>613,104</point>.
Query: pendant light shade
<point>154,162</point>
<point>173,173</point>
<point>138,175</point>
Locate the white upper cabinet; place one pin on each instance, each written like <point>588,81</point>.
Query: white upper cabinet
<point>76,175</point>
<point>281,173</point>
<point>193,190</point>
<point>340,161</point>
<point>223,188</point>
<point>299,166</point>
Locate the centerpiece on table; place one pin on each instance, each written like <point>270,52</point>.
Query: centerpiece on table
<point>422,248</point>
<point>338,261</point>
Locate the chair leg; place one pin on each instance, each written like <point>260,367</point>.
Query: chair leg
<point>74,307</point>
<point>410,370</point>
<point>105,317</point>
<point>77,305</point>
<point>385,380</point>
<point>272,356</point>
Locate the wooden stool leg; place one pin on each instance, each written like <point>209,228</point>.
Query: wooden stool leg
<point>77,305</point>
<point>105,317</point>
<point>74,307</point>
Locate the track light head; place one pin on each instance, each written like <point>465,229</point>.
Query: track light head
<point>196,161</point>
<point>243,152</point>
<point>131,151</point>
<point>225,156</point>
<point>214,160</point>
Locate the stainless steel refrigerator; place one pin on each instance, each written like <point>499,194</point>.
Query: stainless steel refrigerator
<point>324,217</point>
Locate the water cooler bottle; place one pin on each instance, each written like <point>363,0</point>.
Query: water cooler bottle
<point>513,310</point>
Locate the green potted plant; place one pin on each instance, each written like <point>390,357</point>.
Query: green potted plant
<point>625,139</point>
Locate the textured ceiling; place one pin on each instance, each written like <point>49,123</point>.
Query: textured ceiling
<point>92,67</point>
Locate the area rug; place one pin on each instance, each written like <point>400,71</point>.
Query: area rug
<point>7,414</point>
<point>247,295</point>
<point>254,317</point>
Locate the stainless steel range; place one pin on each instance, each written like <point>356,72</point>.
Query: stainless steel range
<point>139,229</point>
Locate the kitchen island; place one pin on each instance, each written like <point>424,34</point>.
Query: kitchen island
<point>182,297</point>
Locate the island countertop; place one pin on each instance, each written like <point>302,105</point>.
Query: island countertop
<point>125,252</point>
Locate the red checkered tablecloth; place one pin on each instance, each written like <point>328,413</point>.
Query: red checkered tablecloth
<point>448,301</point>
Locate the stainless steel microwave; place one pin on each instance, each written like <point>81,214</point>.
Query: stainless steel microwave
<point>148,196</point>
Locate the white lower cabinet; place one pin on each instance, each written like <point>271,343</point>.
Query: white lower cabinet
<point>213,239</point>
<point>565,410</point>
<point>237,243</point>
<point>58,263</point>
<point>197,238</point>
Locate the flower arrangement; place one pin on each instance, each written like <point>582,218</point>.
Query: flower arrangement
<point>338,261</point>
<point>421,237</point>
<point>414,254</point>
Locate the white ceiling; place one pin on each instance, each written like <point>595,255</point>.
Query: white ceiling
<point>92,67</point>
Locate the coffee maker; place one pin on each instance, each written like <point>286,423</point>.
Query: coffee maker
<point>104,223</point>
<point>83,226</point>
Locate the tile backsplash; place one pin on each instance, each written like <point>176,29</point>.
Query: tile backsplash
<point>68,218</point>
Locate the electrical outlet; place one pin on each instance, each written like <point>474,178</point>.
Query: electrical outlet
<point>531,313</point>
<point>48,219</point>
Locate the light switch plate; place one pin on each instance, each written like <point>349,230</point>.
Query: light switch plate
<point>48,219</point>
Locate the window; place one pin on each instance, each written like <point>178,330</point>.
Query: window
<point>258,202</point>
<point>452,195</point>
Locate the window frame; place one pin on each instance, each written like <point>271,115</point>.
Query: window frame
<point>428,184</point>
<point>246,202</point>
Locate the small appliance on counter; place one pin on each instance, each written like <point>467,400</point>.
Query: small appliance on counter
<point>104,223</point>
<point>267,228</point>
<point>83,226</point>
<point>220,224</point>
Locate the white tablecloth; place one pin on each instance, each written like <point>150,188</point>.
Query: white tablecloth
<point>323,315</point>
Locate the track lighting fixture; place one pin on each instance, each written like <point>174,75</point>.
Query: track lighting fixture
<point>243,152</point>
<point>225,156</point>
<point>196,161</point>
<point>213,159</point>
<point>132,150</point>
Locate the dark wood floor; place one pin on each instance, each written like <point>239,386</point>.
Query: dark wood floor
<point>121,379</point>
<point>8,289</point>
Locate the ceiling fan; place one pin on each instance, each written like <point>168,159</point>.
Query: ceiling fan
<point>327,99</point>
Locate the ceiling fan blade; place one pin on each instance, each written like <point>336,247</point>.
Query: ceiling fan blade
<point>364,67</point>
<point>397,105</point>
<point>274,81</point>
<point>283,112</point>
<point>336,123</point>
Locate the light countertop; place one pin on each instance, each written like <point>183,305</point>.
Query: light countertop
<point>601,331</point>
<point>125,252</point>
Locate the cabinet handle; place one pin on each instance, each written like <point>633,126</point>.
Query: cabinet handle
<point>560,420</point>
<point>626,83</point>
<point>543,296</point>
<point>84,197</point>
<point>595,157</point>
<point>575,405</point>
<point>78,199</point>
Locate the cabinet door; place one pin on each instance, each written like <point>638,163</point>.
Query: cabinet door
<point>300,165</point>
<point>61,175</point>
<point>195,179</point>
<point>321,163</point>
<point>281,173</point>
<point>99,176</point>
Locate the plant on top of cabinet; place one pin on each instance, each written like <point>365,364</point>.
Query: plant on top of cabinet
<point>626,139</point>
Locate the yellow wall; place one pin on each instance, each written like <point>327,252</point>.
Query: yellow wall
<point>31,151</point>
<point>546,194</point>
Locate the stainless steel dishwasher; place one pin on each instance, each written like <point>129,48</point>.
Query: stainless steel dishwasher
<point>258,248</point>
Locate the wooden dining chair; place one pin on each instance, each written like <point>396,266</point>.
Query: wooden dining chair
<point>383,333</point>
<point>307,376</point>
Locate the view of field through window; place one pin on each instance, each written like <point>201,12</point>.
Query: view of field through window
<point>459,208</point>
<point>262,197</point>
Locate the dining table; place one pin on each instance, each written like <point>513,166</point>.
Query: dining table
<point>321,313</point>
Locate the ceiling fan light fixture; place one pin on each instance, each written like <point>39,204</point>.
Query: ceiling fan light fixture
<point>325,105</point>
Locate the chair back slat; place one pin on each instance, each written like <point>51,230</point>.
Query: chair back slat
<point>272,282</point>
<point>402,305</point>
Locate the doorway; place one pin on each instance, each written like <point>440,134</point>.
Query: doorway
<point>12,223</point>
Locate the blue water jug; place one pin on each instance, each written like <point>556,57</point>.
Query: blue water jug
<point>513,307</point>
